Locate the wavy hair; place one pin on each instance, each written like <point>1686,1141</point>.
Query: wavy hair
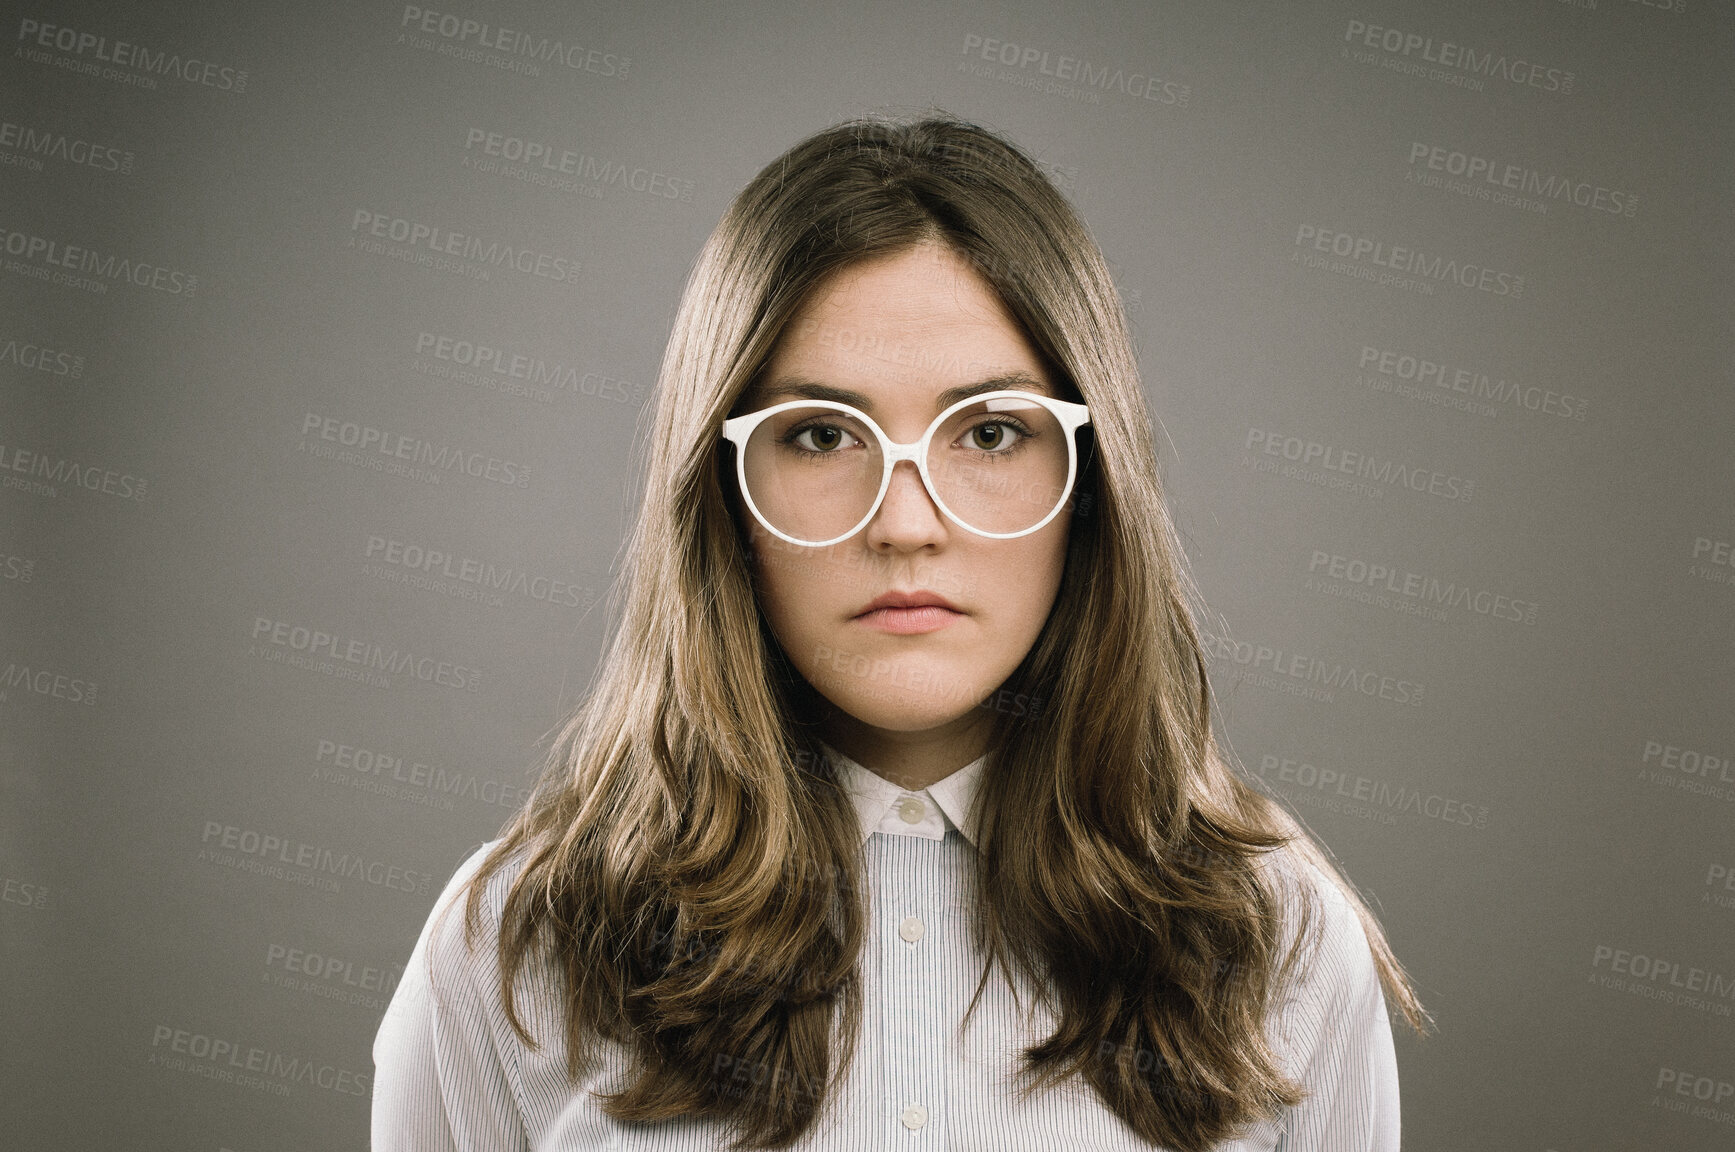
<point>688,859</point>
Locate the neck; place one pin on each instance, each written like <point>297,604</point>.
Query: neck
<point>911,760</point>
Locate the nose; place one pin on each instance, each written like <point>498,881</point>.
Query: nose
<point>907,518</point>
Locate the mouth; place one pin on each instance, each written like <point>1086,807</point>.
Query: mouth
<point>908,612</point>
<point>898,599</point>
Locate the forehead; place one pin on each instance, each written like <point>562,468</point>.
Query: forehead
<point>918,327</point>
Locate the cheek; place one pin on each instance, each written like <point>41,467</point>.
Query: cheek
<point>1017,588</point>
<point>797,589</point>
<point>1046,558</point>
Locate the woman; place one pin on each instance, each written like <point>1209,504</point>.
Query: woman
<point>895,817</point>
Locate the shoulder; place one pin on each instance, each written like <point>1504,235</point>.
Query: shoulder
<point>444,980</point>
<point>1327,1023</point>
<point>494,887</point>
<point>459,964</point>
<point>1335,963</point>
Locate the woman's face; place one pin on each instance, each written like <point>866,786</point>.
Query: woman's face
<point>899,330</point>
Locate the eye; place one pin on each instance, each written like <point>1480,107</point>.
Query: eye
<point>992,435</point>
<point>820,437</point>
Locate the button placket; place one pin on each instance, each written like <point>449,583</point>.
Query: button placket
<point>916,1035</point>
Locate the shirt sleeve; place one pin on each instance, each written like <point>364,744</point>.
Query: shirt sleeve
<point>440,1083</point>
<point>1338,1039</point>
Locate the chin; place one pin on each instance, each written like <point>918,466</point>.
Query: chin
<point>898,698</point>
<point>890,716</point>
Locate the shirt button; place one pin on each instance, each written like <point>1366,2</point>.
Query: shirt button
<point>911,810</point>
<point>915,1116</point>
<point>911,929</point>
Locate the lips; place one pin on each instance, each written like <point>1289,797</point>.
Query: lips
<point>913,599</point>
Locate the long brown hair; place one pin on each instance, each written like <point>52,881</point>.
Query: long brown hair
<point>688,859</point>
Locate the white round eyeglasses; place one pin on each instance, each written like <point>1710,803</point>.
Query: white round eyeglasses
<point>999,464</point>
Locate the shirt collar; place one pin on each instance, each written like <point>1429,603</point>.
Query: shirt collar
<point>884,807</point>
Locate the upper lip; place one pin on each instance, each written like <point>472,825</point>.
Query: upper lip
<point>900,599</point>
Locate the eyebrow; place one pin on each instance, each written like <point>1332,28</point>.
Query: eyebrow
<point>801,386</point>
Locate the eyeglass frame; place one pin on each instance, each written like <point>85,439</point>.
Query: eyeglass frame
<point>739,429</point>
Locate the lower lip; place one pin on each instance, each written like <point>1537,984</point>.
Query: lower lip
<point>908,621</point>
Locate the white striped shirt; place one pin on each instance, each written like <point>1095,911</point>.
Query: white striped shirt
<point>454,1075</point>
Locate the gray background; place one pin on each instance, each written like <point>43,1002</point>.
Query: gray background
<point>1545,826</point>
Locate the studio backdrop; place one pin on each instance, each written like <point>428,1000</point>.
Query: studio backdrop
<point>328,333</point>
